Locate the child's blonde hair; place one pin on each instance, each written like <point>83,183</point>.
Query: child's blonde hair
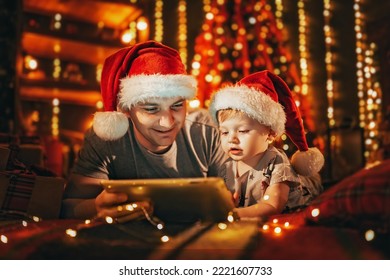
<point>227,114</point>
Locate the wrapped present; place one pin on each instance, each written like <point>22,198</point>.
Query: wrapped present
<point>4,155</point>
<point>25,192</point>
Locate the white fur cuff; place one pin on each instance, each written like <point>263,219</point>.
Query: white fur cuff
<point>110,125</point>
<point>140,88</point>
<point>308,162</point>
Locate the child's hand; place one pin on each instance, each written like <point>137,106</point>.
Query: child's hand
<point>236,198</point>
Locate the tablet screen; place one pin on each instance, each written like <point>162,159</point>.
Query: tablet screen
<point>179,200</point>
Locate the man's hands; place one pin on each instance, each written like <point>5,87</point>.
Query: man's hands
<point>85,198</point>
<point>116,206</point>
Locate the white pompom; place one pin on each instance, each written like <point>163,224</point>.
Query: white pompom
<point>308,162</point>
<point>110,125</point>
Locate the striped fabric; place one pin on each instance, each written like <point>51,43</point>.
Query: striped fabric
<point>18,191</point>
<point>360,200</point>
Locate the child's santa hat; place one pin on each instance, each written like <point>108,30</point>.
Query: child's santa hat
<point>136,74</point>
<point>266,98</point>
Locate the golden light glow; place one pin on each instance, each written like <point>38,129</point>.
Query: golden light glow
<point>129,207</point>
<point>30,62</point>
<point>369,91</point>
<point>100,24</point>
<point>55,102</point>
<point>109,220</point>
<point>222,226</point>
<point>279,13</point>
<point>57,25</point>
<point>56,68</point>
<point>277,230</point>
<point>57,21</point>
<point>99,105</point>
<point>56,110</point>
<point>165,238</point>
<point>230,218</point>
<point>158,19</point>
<point>302,46</point>
<point>140,29</point>
<point>142,24</point>
<point>195,103</point>
<point>99,69</point>
<point>57,17</point>
<point>126,36</point>
<point>369,235</point>
<point>3,239</point>
<point>182,30</point>
<point>315,212</point>
<point>160,226</point>
<point>55,118</point>
<point>329,61</point>
<point>57,48</point>
<point>71,232</point>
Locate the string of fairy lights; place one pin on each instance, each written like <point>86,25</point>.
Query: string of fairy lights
<point>158,21</point>
<point>369,91</point>
<point>279,14</point>
<point>329,61</point>
<point>275,227</point>
<point>280,26</point>
<point>182,30</point>
<point>302,41</point>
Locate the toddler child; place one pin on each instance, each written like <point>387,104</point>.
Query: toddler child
<point>261,177</point>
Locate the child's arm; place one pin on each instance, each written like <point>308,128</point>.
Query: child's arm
<point>273,202</point>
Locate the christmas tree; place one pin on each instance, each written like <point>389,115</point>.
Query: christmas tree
<point>239,38</point>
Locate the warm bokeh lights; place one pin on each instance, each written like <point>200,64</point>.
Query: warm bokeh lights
<point>368,88</point>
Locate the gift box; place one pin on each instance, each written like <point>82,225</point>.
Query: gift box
<point>26,193</point>
<point>31,154</point>
<point>4,155</point>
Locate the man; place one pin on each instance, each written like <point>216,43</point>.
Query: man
<point>144,132</point>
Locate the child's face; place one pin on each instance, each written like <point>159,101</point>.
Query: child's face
<point>243,138</point>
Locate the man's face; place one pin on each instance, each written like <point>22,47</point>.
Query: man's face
<point>158,121</point>
<point>243,138</point>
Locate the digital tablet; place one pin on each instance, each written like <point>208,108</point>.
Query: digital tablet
<point>179,200</point>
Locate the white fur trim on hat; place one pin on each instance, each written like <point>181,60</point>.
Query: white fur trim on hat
<point>140,88</point>
<point>308,162</point>
<point>254,103</point>
<point>110,125</point>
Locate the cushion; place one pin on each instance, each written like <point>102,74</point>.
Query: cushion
<point>361,200</point>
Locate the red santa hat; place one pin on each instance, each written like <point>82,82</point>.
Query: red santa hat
<point>134,75</point>
<point>266,98</point>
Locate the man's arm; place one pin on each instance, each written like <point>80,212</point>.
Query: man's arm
<point>84,198</point>
<point>79,197</point>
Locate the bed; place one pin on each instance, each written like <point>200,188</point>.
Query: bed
<point>350,220</point>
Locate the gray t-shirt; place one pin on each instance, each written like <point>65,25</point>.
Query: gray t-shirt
<point>195,153</point>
